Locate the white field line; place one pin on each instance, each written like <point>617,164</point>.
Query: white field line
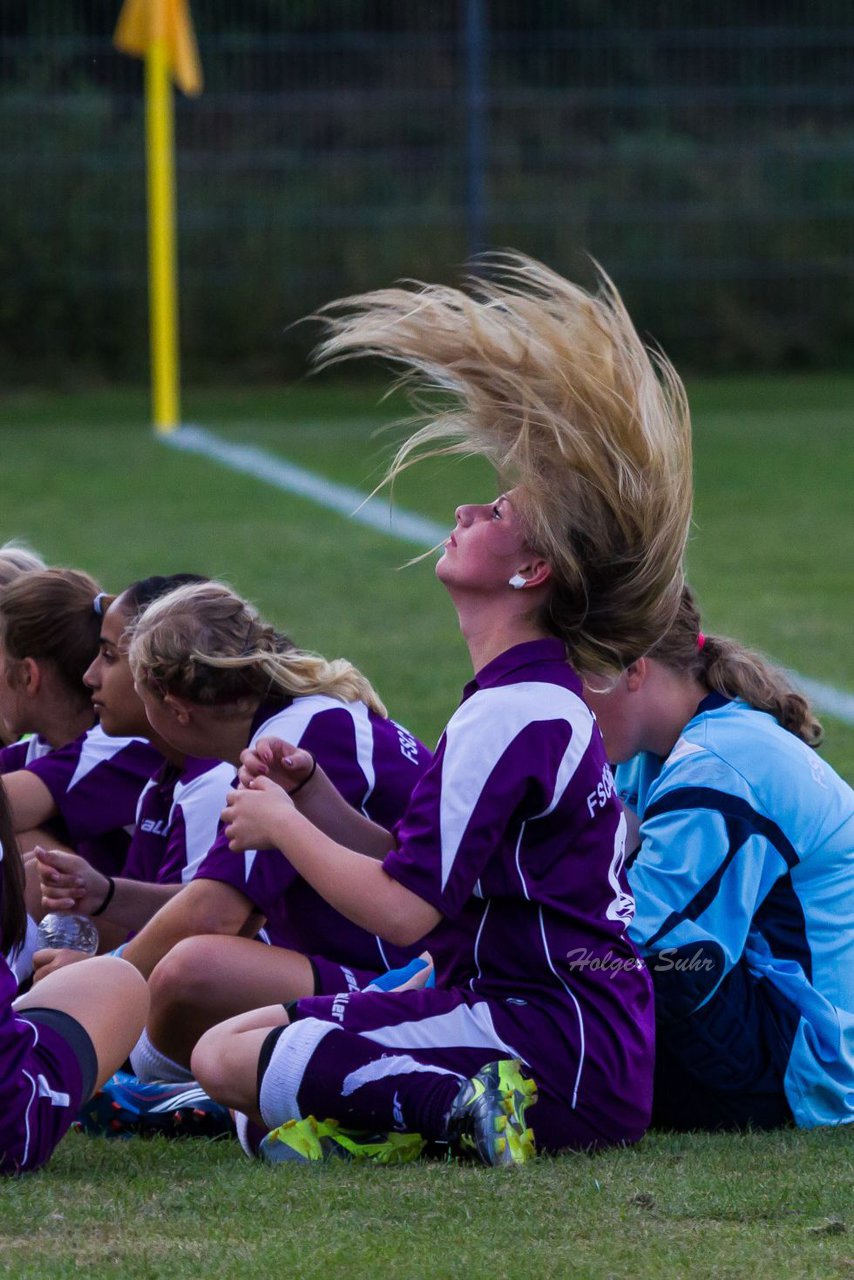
<point>287,476</point>
<point>403,525</point>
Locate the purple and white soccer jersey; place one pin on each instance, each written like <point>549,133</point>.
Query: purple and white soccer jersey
<point>374,764</point>
<point>96,782</point>
<point>42,1079</point>
<point>19,754</point>
<point>177,820</point>
<point>517,821</point>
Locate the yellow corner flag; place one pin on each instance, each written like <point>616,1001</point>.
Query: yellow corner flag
<point>143,23</point>
<point>161,32</point>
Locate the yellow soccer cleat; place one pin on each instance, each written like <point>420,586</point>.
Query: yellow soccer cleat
<point>310,1140</point>
<point>488,1114</point>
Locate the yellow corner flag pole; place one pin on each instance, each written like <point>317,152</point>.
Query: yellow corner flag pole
<point>161,32</point>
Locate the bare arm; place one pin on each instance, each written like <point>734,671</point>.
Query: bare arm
<point>299,774</point>
<point>263,816</point>
<point>202,906</point>
<point>70,883</point>
<point>30,801</point>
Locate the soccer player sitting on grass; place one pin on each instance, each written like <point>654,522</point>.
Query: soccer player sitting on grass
<point>68,783</point>
<point>214,676</point>
<point>60,1041</point>
<point>178,810</point>
<point>744,884</point>
<point>211,672</point>
<point>512,829</point>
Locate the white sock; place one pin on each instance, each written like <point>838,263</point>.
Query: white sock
<point>150,1064</point>
<point>277,1096</point>
<point>241,1125</point>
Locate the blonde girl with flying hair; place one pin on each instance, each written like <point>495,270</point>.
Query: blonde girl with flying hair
<point>514,834</point>
<point>743,876</point>
<point>214,677</point>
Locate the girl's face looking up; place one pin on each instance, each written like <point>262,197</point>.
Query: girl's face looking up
<point>487,546</point>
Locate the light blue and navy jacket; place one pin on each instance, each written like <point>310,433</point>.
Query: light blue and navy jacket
<point>745,876</point>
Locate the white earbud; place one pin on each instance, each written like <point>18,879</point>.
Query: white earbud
<point>517,582</point>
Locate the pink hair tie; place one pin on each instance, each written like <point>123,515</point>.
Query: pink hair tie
<point>701,640</point>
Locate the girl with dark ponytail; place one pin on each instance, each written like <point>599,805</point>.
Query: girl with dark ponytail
<point>743,879</point>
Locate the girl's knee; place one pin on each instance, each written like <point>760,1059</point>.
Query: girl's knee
<point>210,1061</point>
<point>225,1062</point>
<point>185,973</point>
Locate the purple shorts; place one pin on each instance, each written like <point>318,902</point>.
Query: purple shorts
<point>331,977</point>
<point>55,1068</point>
<point>460,1031</point>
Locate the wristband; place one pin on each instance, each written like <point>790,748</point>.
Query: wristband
<point>108,897</point>
<point>308,777</point>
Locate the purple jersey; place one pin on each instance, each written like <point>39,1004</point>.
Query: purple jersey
<point>95,782</point>
<point>177,820</point>
<point>375,764</point>
<point>21,753</point>
<point>516,830</point>
<point>41,1082</point>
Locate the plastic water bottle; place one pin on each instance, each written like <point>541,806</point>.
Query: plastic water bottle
<point>72,933</point>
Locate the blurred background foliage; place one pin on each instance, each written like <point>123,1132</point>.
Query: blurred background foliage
<point>702,152</point>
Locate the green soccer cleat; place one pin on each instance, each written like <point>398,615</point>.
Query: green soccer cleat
<point>488,1114</point>
<point>310,1139</point>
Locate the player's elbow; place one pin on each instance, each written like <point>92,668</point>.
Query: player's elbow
<point>209,907</point>
<point>408,920</point>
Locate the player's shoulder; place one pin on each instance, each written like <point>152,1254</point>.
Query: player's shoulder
<point>524,699</point>
<point>737,740</point>
<point>740,761</point>
<point>201,778</point>
<point>290,722</point>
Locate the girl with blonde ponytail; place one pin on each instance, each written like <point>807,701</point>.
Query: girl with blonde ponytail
<point>744,879</point>
<point>216,679</point>
<point>514,834</point>
<point>206,644</point>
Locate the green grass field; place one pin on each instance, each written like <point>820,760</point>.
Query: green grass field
<point>85,481</point>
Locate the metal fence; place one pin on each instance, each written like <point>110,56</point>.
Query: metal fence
<point>703,153</point>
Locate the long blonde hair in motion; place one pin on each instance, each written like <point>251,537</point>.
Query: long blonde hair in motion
<point>205,643</point>
<point>554,387</point>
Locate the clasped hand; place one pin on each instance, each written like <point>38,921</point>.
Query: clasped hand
<point>288,766</point>
<point>68,882</point>
<point>256,811</point>
<point>254,814</point>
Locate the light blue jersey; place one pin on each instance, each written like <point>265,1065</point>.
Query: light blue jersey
<point>744,884</point>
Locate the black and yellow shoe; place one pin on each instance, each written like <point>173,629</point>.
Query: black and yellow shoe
<point>488,1114</point>
<point>309,1140</point>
